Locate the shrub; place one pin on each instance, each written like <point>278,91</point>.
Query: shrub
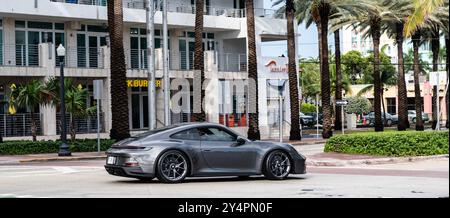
<point>358,105</point>
<point>39,147</point>
<point>308,108</point>
<point>410,143</point>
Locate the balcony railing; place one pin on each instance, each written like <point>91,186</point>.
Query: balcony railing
<point>24,55</point>
<point>18,125</point>
<point>82,57</point>
<point>188,9</point>
<point>232,62</point>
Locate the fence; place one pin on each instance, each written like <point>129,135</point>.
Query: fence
<point>82,125</point>
<point>188,9</point>
<point>24,55</point>
<point>82,57</point>
<point>232,62</point>
<point>18,125</point>
<point>83,2</point>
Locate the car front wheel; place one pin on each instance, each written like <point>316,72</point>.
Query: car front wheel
<point>172,167</point>
<point>277,166</point>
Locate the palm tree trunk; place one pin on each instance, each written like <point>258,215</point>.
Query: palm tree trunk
<point>384,108</point>
<point>199,66</point>
<point>293,74</point>
<point>435,46</point>
<point>418,98</point>
<point>33,126</point>
<point>72,128</point>
<point>253,118</point>
<point>327,132</point>
<point>338,92</point>
<point>376,34</point>
<point>447,43</point>
<point>119,108</point>
<point>403,122</point>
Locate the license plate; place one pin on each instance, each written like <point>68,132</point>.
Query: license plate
<point>111,160</point>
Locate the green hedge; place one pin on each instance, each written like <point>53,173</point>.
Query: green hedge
<point>39,147</point>
<point>409,143</point>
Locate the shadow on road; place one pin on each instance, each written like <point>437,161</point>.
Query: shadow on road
<point>206,179</point>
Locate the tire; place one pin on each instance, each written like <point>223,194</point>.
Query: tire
<point>173,167</point>
<point>277,165</point>
<point>413,120</point>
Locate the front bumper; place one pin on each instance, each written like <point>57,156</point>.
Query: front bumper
<point>299,166</point>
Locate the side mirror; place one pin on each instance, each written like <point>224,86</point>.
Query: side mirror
<point>239,141</point>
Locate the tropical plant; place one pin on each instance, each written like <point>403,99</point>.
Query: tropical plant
<point>358,105</point>
<point>394,29</point>
<point>338,80</point>
<point>29,96</point>
<point>320,12</point>
<point>199,66</point>
<point>422,9</point>
<point>408,57</point>
<point>388,77</point>
<point>253,128</point>
<point>376,14</point>
<point>309,78</point>
<point>119,108</point>
<point>75,99</point>
<point>295,133</point>
<point>356,66</point>
<point>308,108</point>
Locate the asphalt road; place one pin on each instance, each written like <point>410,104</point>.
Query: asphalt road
<point>89,179</point>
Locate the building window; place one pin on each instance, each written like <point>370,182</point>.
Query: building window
<point>232,104</point>
<point>391,104</point>
<point>138,47</point>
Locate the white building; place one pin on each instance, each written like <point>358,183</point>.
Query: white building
<point>29,31</point>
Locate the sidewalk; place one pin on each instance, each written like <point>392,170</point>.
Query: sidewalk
<point>17,159</point>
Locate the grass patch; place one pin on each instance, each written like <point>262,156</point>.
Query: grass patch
<point>39,147</point>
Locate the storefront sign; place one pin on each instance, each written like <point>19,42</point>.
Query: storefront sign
<point>273,67</point>
<point>142,83</point>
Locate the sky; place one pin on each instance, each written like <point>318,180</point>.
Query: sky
<point>307,43</point>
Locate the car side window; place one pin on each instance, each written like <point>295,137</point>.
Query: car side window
<point>190,134</point>
<point>215,134</point>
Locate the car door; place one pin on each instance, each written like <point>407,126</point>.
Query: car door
<point>219,149</point>
<point>190,140</point>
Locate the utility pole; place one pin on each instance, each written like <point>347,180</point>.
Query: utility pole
<point>437,103</point>
<point>150,14</point>
<point>166,66</point>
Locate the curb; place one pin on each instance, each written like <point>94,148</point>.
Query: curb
<point>13,162</point>
<point>62,159</point>
<point>308,143</point>
<point>374,161</point>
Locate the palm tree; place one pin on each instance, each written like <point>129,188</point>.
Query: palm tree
<point>76,105</point>
<point>29,96</point>
<point>338,91</point>
<point>119,108</point>
<point>198,57</point>
<point>427,16</point>
<point>293,80</point>
<point>416,37</point>
<point>394,29</point>
<point>371,22</point>
<point>253,128</point>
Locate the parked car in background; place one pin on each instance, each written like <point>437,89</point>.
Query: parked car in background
<point>306,120</point>
<point>370,119</point>
<point>412,116</point>
<point>314,115</point>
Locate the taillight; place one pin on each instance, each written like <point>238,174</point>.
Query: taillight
<point>131,162</point>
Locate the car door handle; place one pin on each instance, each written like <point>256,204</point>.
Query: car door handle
<point>206,150</point>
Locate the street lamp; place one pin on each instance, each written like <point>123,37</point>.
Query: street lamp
<point>63,148</point>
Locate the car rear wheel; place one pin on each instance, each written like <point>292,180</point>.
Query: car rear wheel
<point>389,123</point>
<point>277,165</point>
<point>172,167</point>
<point>414,120</point>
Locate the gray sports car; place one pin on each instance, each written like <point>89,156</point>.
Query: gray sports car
<point>200,149</point>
